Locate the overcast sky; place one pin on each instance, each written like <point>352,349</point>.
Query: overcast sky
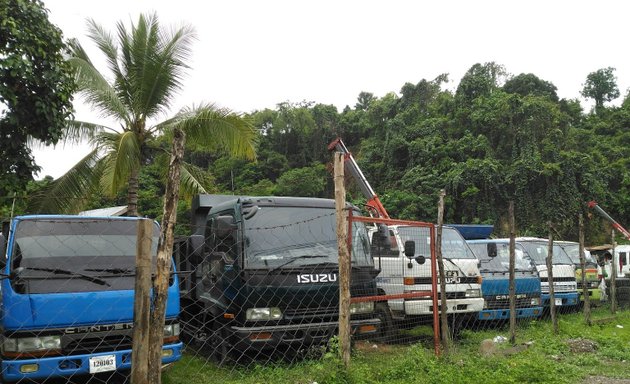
<point>252,54</point>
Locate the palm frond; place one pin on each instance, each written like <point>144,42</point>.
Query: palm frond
<point>123,156</point>
<point>212,128</point>
<point>94,87</point>
<point>70,193</point>
<point>192,180</point>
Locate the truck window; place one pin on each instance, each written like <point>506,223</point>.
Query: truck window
<point>501,262</point>
<point>87,246</point>
<point>276,234</point>
<point>538,252</point>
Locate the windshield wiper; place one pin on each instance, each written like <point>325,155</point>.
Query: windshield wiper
<point>296,258</point>
<point>58,271</point>
<point>114,271</point>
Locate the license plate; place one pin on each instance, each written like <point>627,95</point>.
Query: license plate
<point>558,301</point>
<point>102,363</point>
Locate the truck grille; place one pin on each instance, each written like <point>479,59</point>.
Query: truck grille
<point>493,303</point>
<point>97,344</point>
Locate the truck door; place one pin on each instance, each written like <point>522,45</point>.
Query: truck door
<point>416,269</point>
<point>388,258</point>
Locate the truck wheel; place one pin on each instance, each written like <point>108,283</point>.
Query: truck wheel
<point>386,331</point>
<point>623,297</point>
<point>218,344</point>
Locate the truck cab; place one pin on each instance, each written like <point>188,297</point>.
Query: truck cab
<point>494,257</point>
<point>572,250</point>
<point>564,281</point>
<point>67,297</point>
<point>264,275</point>
<point>402,273</point>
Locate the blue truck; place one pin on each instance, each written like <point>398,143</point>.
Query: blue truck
<point>67,297</point>
<point>494,259</point>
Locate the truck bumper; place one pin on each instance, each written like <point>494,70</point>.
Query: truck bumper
<point>64,366</point>
<point>593,294</point>
<point>264,337</point>
<point>503,314</point>
<point>424,307</point>
<point>562,299</point>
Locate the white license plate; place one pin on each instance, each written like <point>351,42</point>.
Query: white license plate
<point>102,363</point>
<point>558,301</point>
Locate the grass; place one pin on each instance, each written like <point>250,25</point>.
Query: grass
<point>547,358</point>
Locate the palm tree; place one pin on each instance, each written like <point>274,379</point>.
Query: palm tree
<point>147,65</point>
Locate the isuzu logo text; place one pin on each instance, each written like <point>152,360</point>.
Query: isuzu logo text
<point>317,278</point>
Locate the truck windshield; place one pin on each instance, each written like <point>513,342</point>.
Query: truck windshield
<point>275,235</point>
<point>573,251</point>
<point>501,262</point>
<point>100,248</point>
<point>453,244</point>
<point>538,252</point>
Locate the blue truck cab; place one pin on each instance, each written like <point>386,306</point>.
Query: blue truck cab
<point>494,258</point>
<point>67,297</point>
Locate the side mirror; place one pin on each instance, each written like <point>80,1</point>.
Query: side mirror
<point>382,236</point>
<point>196,244</point>
<point>410,248</point>
<point>249,212</point>
<point>492,249</point>
<point>421,260</point>
<point>223,226</point>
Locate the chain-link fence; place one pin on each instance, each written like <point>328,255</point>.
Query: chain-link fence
<point>257,282</point>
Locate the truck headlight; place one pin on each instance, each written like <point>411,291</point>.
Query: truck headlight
<point>171,330</point>
<point>473,293</point>
<point>171,333</point>
<point>362,307</point>
<point>535,301</point>
<point>32,345</point>
<point>256,314</point>
<point>594,284</point>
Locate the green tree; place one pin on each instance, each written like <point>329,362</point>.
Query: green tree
<point>601,86</point>
<point>36,87</point>
<point>307,182</point>
<point>147,64</point>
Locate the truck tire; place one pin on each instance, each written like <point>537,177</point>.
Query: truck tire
<point>218,343</point>
<point>386,332</point>
<point>623,297</point>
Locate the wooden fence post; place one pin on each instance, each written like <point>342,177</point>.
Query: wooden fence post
<point>613,276</point>
<point>446,336</point>
<point>512,285</point>
<point>587,299</point>
<point>142,304</point>
<point>164,254</point>
<point>344,260</point>
<point>552,296</point>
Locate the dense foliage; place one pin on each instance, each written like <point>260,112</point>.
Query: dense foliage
<point>36,88</point>
<point>494,139</point>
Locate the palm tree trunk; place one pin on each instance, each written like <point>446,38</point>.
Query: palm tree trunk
<point>132,193</point>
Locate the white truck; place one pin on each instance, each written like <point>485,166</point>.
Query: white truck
<point>405,272</point>
<point>564,281</point>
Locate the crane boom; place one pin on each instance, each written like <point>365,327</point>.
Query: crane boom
<point>593,205</point>
<point>373,202</point>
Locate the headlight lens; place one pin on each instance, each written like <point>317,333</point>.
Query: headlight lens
<point>473,293</point>
<point>535,301</point>
<point>364,307</point>
<point>32,344</point>
<point>171,330</point>
<point>256,314</point>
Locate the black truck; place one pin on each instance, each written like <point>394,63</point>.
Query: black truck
<point>263,275</point>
